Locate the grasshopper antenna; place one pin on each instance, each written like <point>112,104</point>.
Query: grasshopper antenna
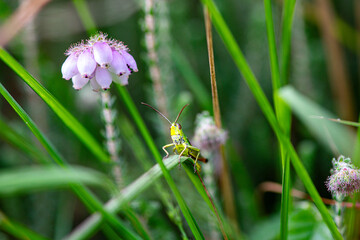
<point>180,112</point>
<point>156,111</point>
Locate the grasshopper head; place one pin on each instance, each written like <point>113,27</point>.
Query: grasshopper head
<point>175,129</point>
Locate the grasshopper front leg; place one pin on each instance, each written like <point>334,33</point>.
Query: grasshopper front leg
<point>166,146</point>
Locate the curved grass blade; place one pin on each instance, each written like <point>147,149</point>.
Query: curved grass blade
<point>149,141</point>
<point>92,223</point>
<point>88,199</point>
<point>29,179</point>
<point>8,134</point>
<point>17,230</point>
<point>70,121</point>
<point>265,106</point>
<point>334,136</point>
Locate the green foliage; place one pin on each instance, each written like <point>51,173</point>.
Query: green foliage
<point>55,173</point>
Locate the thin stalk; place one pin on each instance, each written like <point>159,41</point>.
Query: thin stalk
<point>353,215</point>
<point>265,106</point>
<point>153,59</point>
<point>213,206</point>
<point>226,186</point>
<point>283,116</point>
<point>111,136</point>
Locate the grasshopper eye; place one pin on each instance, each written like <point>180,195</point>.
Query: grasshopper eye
<point>179,126</point>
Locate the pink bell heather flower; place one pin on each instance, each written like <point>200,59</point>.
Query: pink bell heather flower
<point>208,137</point>
<point>344,179</point>
<point>95,59</point>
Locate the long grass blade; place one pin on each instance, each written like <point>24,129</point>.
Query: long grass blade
<point>9,135</point>
<point>335,137</point>
<point>29,179</point>
<point>149,141</point>
<point>92,223</point>
<point>88,199</point>
<point>17,230</point>
<point>284,117</point>
<point>265,106</point>
<point>70,121</point>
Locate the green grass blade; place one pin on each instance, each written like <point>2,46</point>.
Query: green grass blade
<point>70,121</point>
<point>28,179</point>
<point>288,14</point>
<point>265,106</point>
<point>9,135</point>
<point>92,223</point>
<point>149,141</point>
<point>334,136</point>
<point>90,201</point>
<point>86,18</point>
<point>189,168</point>
<point>30,123</point>
<point>131,215</point>
<point>17,230</point>
<point>283,116</point>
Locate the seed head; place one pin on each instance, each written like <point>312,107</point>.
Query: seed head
<point>344,179</point>
<point>94,59</point>
<point>208,137</point>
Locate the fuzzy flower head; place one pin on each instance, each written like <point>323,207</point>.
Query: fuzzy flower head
<point>344,179</point>
<point>95,59</point>
<point>208,137</point>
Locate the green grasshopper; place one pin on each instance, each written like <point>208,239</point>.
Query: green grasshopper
<point>180,142</point>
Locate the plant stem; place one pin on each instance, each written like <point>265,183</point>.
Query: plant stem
<point>153,59</point>
<point>226,186</point>
<point>111,136</point>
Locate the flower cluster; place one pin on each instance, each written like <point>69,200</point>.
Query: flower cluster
<point>208,137</point>
<point>92,60</point>
<point>345,177</point>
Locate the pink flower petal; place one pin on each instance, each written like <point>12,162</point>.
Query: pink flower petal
<point>86,64</point>
<point>102,54</point>
<point>129,60</point>
<point>118,64</point>
<point>95,86</point>
<point>103,78</point>
<point>123,79</point>
<point>69,68</point>
<point>79,82</point>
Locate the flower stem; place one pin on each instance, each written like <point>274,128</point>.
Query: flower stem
<point>224,175</point>
<point>153,59</point>
<point>111,135</point>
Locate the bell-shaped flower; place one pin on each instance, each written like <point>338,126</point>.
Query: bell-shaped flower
<point>103,54</point>
<point>129,60</point>
<point>69,68</point>
<point>118,64</point>
<point>103,78</point>
<point>86,64</point>
<point>79,82</point>
<point>94,59</point>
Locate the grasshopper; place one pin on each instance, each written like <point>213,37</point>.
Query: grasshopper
<point>180,142</point>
